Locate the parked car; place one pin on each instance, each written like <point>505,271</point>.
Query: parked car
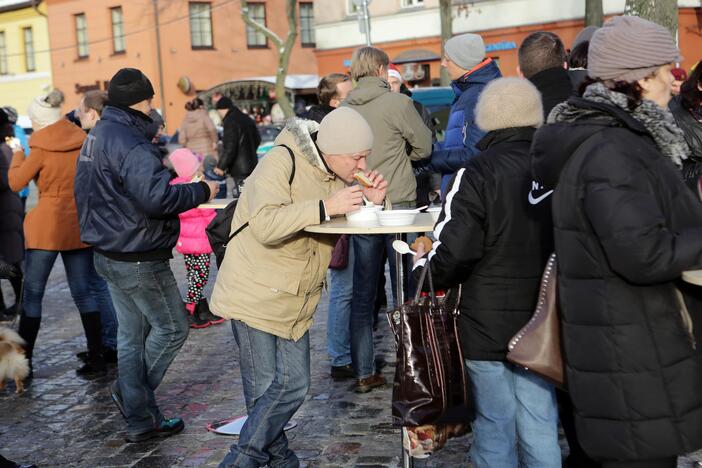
<point>268,135</point>
<point>437,100</point>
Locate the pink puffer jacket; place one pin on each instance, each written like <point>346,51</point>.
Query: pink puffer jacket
<point>192,239</point>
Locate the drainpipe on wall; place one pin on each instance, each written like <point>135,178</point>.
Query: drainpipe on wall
<point>162,93</point>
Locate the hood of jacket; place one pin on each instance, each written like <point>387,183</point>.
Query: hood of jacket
<point>61,136</point>
<point>483,75</point>
<point>299,135</point>
<point>368,89</point>
<point>556,142</point>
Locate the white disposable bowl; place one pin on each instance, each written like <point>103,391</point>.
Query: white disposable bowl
<point>365,214</point>
<point>396,217</point>
<point>434,212</point>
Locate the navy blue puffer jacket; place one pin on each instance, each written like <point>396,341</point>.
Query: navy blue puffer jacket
<point>125,203</point>
<point>462,134</point>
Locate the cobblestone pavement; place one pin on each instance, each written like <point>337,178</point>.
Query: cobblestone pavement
<point>65,421</point>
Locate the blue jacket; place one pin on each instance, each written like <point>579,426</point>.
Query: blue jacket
<point>462,134</point>
<point>125,203</point>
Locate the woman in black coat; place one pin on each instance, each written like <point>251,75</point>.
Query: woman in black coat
<point>687,110</point>
<point>626,228</point>
<point>11,211</point>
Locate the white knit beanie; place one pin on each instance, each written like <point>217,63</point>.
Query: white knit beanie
<point>45,110</point>
<point>509,103</point>
<point>344,131</point>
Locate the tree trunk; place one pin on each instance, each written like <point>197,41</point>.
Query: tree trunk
<point>283,49</point>
<point>594,15</point>
<point>445,13</point>
<point>663,12</point>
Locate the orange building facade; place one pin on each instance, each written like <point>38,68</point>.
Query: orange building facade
<point>202,44</point>
<point>502,45</point>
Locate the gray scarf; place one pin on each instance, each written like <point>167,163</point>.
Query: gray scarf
<point>659,122</point>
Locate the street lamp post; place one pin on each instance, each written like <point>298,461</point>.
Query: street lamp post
<point>364,23</point>
<point>162,93</point>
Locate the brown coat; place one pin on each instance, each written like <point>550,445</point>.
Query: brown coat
<point>198,133</point>
<point>53,224</point>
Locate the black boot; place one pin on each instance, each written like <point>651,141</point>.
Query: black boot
<point>93,334</point>
<point>28,330</point>
<point>202,311</point>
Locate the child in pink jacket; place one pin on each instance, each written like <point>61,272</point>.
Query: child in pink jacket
<point>193,243</point>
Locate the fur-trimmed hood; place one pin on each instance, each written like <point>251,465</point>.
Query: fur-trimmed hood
<point>298,135</point>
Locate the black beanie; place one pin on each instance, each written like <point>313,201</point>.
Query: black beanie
<point>224,103</point>
<point>128,87</point>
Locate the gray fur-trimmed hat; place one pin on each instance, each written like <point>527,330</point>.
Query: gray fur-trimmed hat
<point>509,103</point>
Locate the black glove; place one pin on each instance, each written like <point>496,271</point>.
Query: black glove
<point>7,271</point>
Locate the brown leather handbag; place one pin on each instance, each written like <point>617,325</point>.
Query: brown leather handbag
<point>340,254</point>
<point>537,346</point>
<point>431,385</point>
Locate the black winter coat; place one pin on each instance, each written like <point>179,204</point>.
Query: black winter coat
<point>555,87</point>
<point>11,211</point>
<point>494,242</point>
<point>692,128</point>
<point>625,229</point>
<point>239,143</point>
<point>125,202</point>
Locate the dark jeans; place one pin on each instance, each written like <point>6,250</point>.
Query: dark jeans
<point>88,289</point>
<point>152,328</point>
<point>276,377</point>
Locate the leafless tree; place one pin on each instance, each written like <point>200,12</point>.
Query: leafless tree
<point>282,47</point>
<point>663,12</point>
<point>593,13</point>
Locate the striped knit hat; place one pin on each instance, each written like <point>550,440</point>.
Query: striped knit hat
<point>628,48</point>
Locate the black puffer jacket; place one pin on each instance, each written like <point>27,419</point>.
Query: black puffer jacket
<point>692,128</point>
<point>239,143</point>
<point>625,229</point>
<point>494,242</point>
<point>555,86</point>
<point>11,239</point>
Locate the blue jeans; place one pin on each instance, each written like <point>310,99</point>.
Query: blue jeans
<point>514,408</point>
<point>339,319</point>
<point>276,376</point>
<point>152,328</point>
<point>88,289</point>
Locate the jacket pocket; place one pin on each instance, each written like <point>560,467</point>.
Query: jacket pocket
<point>278,281</point>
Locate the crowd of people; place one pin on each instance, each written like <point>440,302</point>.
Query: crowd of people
<point>594,153</point>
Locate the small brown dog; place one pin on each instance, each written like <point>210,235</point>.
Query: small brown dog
<point>13,362</point>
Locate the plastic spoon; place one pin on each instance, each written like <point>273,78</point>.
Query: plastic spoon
<point>401,247</point>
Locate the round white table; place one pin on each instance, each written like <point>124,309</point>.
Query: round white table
<point>217,203</point>
<point>693,277</point>
<point>423,222</point>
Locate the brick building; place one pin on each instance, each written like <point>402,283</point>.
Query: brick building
<point>202,44</point>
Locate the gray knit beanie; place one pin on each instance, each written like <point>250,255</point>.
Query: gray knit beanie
<point>629,48</point>
<point>584,36</point>
<point>509,103</point>
<point>344,131</point>
<point>466,50</point>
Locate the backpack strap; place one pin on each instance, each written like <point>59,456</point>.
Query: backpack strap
<point>290,181</point>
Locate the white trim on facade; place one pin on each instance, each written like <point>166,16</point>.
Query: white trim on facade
<point>13,78</point>
<point>492,14</point>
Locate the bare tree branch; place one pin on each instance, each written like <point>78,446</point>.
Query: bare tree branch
<point>283,49</point>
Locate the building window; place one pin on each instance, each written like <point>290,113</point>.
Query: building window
<point>412,3</point>
<point>307,24</point>
<point>118,42</point>
<point>28,37</point>
<point>255,38</point>
<point>82,35</point>
<point>3,54</point>
<point>200,25</point>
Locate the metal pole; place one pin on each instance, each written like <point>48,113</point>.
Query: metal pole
<point>162,93</point>
<point>366,21</point>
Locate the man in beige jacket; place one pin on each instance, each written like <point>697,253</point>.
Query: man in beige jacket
<point>400,137</point>
<point>272,275</point>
